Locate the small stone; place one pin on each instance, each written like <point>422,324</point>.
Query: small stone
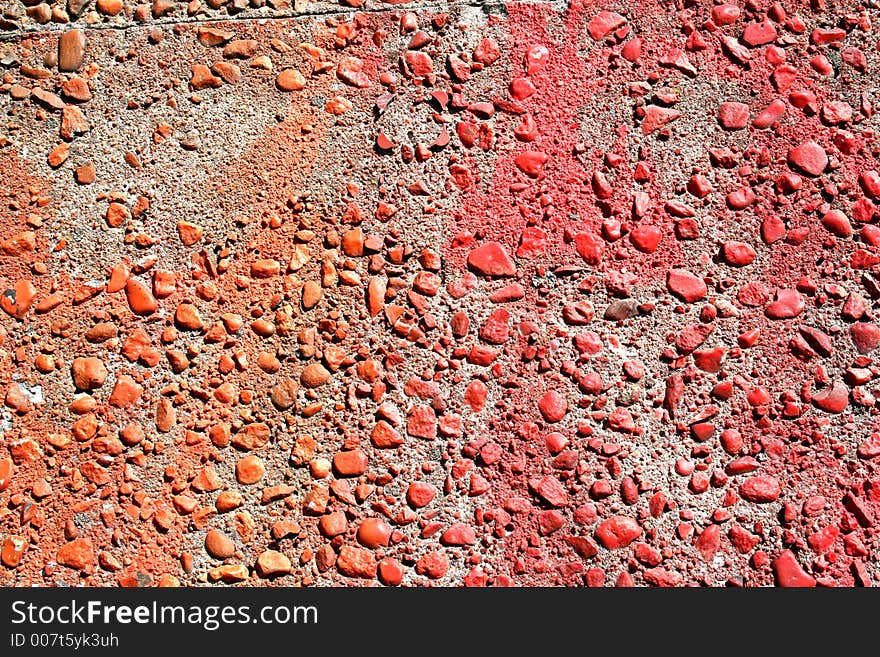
<point>385,436</point>
<point>491,259</point>
<point>290,79</point>
<point>241,49</point>
<point>186,316</point>
<point>685,285</point>
<point>789,572</point>
<point>603,24</point>
<point>420,494</point>
<point>837,223</point>
<point>230,573</point>
<point>253,436</point>
<point>88,373</point>
<point>646,238</point>
<point>590,247</point>
<point>759,34</point>
<point>374,533</point>
<point>218,545</point>
<point>550,490</point>
<point>760,490</point>
<point>16,301</point>
<point>726,14</point>
<point>71,46</point>
<point>13,550</point>
<point>433,565</point>
<point>531,163</point>
<point>77,554</point>
<point>809,158</point>
<point>311,295</point>
<point>333,524</point>
<point>787,304</point>
<point>109,7</point>
<point>314,375</point>
<point>249,470</point>
<point>125,393</point>
<point>618,532</point>
<point>230,73</point>
<point>189,232</point>
<point>272,563</point>
<point>356,562</point>
<point>738,254</point>
<point>553,406</point>
<point>352,463</point>
<point>140,298</point>
<point>6,471</point>
<point>76,90</point>
<point>657,117</point>
<point>283,394</point>
<point>458,535</point>
<point>865,336</point>
<point>58,155</point>
<point>390,572</point>
<point>733,116</point>
<point>209,36</point>
<point>833,398</point>
<point>201,78</point>
<point>85,175</point>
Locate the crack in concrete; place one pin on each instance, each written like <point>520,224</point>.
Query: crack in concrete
<point>326,11</point>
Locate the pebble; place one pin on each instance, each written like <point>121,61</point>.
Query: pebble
<point>837,223</point>
<point>356,562</point>
<point>532,163</point>
<point>283,394</point>
<point>789,573</point>
<point>202,78</point>
<point>549,490</point>
<point>78,554</point>
<point>249,470</point>
<point>140,298</point>
<point>685,285</point>
<point>16,301</point>
<point>390,572</point>
<point>88,373</point>
<point>809,158</point>
<point>272,563</point>
<point>553,406</point>
<point>760,490</point>
<point>617,532</point>
<point>7,469</point>
<point>314,375</point>
<point>603,24</point>
<point>218,545</point>
<point>13,550</point>
<point>374,533</point>
<point>350,464</point>
<point>420,494</point>
<point>433,565</point>
<point>865,336</point>
<point>491,259</point>
<point>787,304</point>
<point>738,254</point>
<point>71,47</point>
<point>733,115</point>
<point>832,399</point>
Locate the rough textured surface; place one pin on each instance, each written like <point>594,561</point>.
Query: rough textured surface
<point>433,295</point>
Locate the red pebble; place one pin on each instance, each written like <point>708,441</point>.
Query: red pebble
<point>789,572</point>
<point>685,285</point>
<point>760,490</point>
<point>618,532</point>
